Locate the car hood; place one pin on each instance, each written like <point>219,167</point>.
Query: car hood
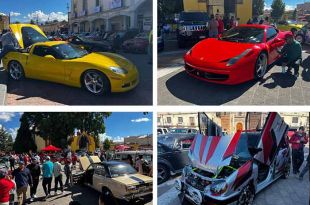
<point>133,179</point>
<point>209,152</point>
<point>107,59</point>
<point>213,50</point>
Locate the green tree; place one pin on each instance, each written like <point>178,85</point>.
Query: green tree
<point>6,140</point>
<point>277,9</point>
<point>24,139</point>
<point>258,7</point>
<point>32,21</point>
<point>106,144</point>
<point>57,126</point>
<point>167,9</point>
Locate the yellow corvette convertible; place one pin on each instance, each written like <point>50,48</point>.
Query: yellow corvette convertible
<point>65,63</point>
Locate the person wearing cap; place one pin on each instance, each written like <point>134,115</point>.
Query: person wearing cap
<point>35,171</point>
<point>291,53</point>
<point>58,176</point>
<point>298,140</point>
<point>47,170</point>
<point>6,185</point>
<point>22,178</point>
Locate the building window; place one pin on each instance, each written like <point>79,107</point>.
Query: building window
<point>192,121</point>
<point>180,120</point>
<point>294,119</point>
<point>169,120</point>
<point>97,3</point>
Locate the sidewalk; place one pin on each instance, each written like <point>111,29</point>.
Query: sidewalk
<point>3,85</point>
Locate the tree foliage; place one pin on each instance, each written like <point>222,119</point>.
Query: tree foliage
<point>294,15</point>
<point>107,144</point>
<point>57,126</point>
<point>6,140</point>
<point>167,8</point>
<point>278,8</point>
<point>258,7</point>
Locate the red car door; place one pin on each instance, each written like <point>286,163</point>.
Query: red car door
<point>273,43</point>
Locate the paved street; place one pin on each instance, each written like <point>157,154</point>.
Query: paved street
<point>175,87</point>
<point>35,92</point>
<point>282,192</point>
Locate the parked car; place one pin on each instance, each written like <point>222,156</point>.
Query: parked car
<point>192,27</point>
<point>303,35</point>
<point>119,37</point>
<point>115,179</point>
<point>241,54</point>
<point>68,64</point>
<point>162,130</point>
<point>172,155</point>
<point>289,26</point>
<point>138,44</point>
<point>92,46</point>
<point>233,169</point>
<point>183,130</point>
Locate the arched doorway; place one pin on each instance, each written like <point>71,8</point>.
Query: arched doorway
<point>239,126</point>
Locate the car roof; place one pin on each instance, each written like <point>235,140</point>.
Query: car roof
<point>255,26</point>
<point>135,152</point>
<point>112,162</point>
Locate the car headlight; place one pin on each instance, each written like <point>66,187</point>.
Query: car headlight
<point>234,60</point>
<point>218,187</point>
<point>118,70</point>
<point>186,170</point>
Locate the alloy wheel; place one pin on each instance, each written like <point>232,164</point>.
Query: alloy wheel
<point>16,70</point>
<point>261,65</point>
<point>299,38</point>
<point>161,174</point>
<point>93,82</point>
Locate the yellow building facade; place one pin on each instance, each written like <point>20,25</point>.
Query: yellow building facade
<point>241,9</point>
<point>89,142</point>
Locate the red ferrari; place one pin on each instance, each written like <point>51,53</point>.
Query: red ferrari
<point>240,54</point>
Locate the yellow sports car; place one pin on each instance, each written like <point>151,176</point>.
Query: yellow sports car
<point>289,26</point>
<point>65,63</point>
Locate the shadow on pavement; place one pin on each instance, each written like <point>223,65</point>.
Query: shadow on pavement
<point>204,93</point>
<point>284,80</point>
<point>306,69</point>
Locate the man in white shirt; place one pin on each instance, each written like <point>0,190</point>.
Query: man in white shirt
<point>58,176</point>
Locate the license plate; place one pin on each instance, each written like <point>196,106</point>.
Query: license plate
<point>201,37</point>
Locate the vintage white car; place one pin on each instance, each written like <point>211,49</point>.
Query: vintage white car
<point>115,178</point>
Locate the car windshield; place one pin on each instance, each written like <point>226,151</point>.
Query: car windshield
<point>247,140</point>
<point>69,51</point>
<point>121,170</point>
<point>244,35</point>
<point>179,130</point>
<point>167,140</point>
<point>195,17</point>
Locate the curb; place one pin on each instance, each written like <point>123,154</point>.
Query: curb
<point>3,86</point>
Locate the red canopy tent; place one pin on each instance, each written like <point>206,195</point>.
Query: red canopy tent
<point>121,147</point>
<point>51,148</point>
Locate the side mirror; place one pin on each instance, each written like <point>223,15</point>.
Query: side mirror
<point>49,57</point>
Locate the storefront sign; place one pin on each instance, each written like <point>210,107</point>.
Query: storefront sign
<point>115,4</point>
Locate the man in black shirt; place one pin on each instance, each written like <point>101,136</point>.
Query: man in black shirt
<point>35,171</point>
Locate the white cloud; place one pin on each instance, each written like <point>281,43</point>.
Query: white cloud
<point>144,119</point>
<point>12,13</point>
<point>289,7</point>
<point>6,116</point>
<point>13,132</point>
<point>104,136</point>
<point>42,17</point>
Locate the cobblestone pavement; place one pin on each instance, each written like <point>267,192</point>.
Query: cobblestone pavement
<point>175,87</point>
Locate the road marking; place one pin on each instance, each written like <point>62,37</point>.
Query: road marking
<point>167,70</point>
<point>171,52</point>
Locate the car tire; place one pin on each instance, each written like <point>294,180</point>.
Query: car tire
<point>163,173</point>
<point>96,82</point>
<point>246,196</point>
<point>16,70</point>
<point>107,193</point>
<point>261,65</point>
<point>287,170</point>
<point>300,38</point>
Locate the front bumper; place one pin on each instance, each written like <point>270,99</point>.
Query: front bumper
<point>137,195</point>
<point>124,84</point>
<point>196,197</point>
<point>220,73</point>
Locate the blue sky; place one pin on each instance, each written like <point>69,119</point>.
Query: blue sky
<point>291,4</point>
<point>118,125</point>
<point>24,10</point>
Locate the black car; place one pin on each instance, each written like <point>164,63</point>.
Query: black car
<point>118,38</point>
<point>92,46</point>
<point>172,154</point>
<point>192,27</point>
<point>301,35</point>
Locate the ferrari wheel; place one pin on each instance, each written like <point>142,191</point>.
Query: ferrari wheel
<point>261,66</point>
<point>163,173</point>
<point>16,70</point>
<point>96,82</point>
<point>246,196</point>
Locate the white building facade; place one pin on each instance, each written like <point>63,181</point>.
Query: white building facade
<point>110,15</point>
